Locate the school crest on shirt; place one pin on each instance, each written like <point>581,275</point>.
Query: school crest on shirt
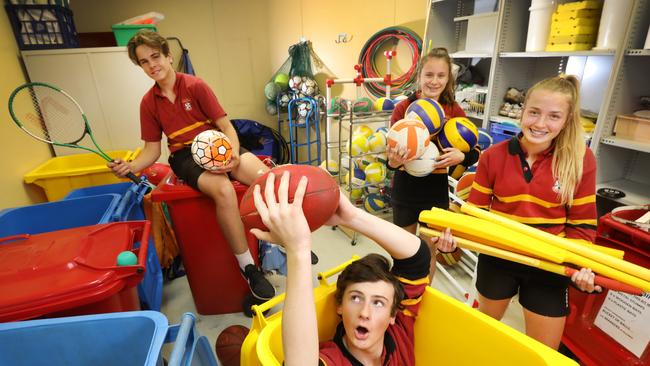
<point>187,104</point>
<point>557,186</point>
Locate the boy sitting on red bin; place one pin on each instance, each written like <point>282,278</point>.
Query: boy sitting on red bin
<point>181,106</point>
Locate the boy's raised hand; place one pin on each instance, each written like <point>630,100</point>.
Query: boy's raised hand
<point>286,221</point>
<point>345,212</point>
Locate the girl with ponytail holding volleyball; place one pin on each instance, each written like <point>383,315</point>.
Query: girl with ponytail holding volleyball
<point>411,194</point>
<point>544,177</point>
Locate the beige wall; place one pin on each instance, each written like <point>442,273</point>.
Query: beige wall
<point>19,153</point>
<point>236,46</point>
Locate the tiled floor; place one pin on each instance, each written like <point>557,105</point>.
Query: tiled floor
<point>333,247</point>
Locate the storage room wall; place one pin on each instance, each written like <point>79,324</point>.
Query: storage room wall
<point>237,46</point>
<point>19,152</point>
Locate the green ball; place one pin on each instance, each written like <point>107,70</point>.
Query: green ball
<point>127,258</point>
<point>271,90</point>
<point>282,80</point>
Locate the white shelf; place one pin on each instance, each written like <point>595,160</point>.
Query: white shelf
<point>474,115</point>
<point>555,54</point>
<point>469,54</point>
<point>627,144</point>
<point>635,193</point>
<point>637,52</point>
<point>502,119</point>
<point>476,16</point>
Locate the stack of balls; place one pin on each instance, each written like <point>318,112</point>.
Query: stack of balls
<point>366,167</point>
<point>424,122</point>
<point>282,88</point>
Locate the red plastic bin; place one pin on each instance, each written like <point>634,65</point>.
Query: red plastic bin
<point>592,345</point>
<point>212,270</point>
<point>71,272</point>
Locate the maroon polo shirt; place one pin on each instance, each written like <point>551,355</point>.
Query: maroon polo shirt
<point>195,110</point>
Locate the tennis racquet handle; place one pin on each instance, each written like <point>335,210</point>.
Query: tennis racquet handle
<point>134,178</point>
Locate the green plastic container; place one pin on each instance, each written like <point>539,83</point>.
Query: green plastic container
<point>124,32</point>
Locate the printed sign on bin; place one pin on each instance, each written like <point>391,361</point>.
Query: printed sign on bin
<point>625,318</point>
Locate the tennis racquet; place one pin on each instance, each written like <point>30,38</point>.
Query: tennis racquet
<point>51,115</point>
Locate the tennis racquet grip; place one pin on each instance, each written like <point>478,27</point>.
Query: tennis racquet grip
<point>133,177</point>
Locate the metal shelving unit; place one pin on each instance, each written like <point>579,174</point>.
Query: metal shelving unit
<point>612,80</point>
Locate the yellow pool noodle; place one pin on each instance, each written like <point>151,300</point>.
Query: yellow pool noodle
<point>594,255</point>
<point>479,228</point>
<point>515,257</point>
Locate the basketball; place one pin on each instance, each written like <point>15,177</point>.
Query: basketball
<point>484,139</point>
<point>429,112</point>
<point>374,203</point>
<point>358,145</point>
<point>377,142</point>
<point>362,105</point>
<point>449,259</point>
<point>228,345</point>
<point>362,130</point>
<point>384,104</point>
<point>423,165</point>
<point>319,203</point>
<point>459,132</point>
<point>375,173</point>
<point>411,134</point>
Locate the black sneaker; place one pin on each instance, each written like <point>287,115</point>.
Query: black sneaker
<point>260,287</point>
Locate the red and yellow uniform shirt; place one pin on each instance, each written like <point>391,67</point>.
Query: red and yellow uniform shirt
<point>195,110</point>
<point>507,185</point>
<point>398,340</point>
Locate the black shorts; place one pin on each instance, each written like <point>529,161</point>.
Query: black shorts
<point>187,169</point>
<point>541,292</point>
<point>408,214</point>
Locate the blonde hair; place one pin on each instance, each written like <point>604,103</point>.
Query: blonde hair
<point>440,53</point>
<point>570,145</point>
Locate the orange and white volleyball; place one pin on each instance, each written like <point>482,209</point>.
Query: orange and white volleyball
<point>410,134</point>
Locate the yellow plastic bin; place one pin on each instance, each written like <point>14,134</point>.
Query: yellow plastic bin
<point>60,175</point>
<point>447,332</point>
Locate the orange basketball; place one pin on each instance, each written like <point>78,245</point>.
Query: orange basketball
<point>229,342</point>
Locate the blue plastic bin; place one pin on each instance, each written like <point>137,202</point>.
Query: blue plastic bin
<point>58,215</point>
<point>503,131</point>
<point>128,338</point>
<point>130,208</point>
